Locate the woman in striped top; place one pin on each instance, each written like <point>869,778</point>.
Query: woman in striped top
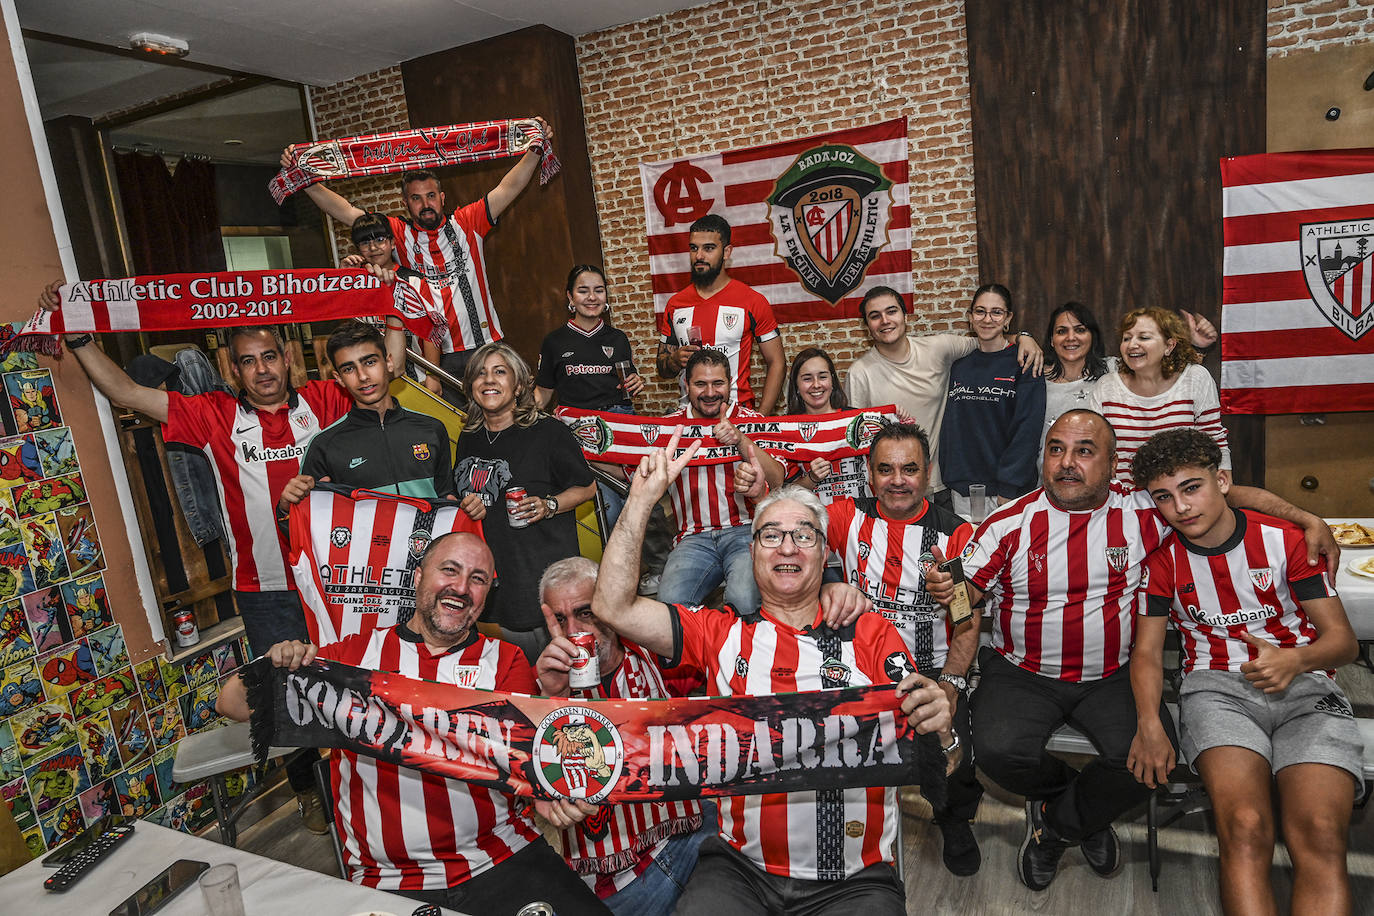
<point>1157,385</point>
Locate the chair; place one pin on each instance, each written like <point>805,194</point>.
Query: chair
<point>212,755</point>
<point>327,797</point>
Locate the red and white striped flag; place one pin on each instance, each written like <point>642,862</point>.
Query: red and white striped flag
<point>1297,298</point>
<point>814,222</point>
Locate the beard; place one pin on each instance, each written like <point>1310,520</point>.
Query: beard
<point>705,275</point>
<point>429,218</point>
<point>427,610</point>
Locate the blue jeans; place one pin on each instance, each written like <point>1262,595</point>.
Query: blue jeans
<point>657,889</point>
<point>612,502</point>
<point>702,561</point>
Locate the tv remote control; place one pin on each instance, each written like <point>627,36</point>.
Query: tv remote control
<point>87,858</point>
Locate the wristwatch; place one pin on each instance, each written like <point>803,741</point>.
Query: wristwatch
<point>551,504</point>
<point>77,341</point>
<point>960,683</point>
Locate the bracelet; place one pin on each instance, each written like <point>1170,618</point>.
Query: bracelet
<point>953,745</point>
<point>1032,337</point>
<point>78,341</point>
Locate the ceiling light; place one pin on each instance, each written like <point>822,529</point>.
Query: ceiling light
<point>233,142</point>
<point>159,44</point>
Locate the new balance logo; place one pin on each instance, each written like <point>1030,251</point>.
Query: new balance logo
<point>355,462</point>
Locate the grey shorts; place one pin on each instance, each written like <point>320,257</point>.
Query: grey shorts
<point>1310,722</point>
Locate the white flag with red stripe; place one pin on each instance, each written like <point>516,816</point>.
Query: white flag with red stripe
<point>1297,316</point>
<point>814,222</point>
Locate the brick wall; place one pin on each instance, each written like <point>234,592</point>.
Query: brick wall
<point>366,104</point>
<point>1301,25</point>
<point>745,72</point>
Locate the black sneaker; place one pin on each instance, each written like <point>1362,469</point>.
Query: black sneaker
<point>1103,851</point>
<point>961,854</point>
<point>1040,851</point>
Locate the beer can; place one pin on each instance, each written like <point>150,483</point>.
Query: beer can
<point>513,497</point>
<point>538,908</point>
<point>586,667</point>
<point>185,624</point>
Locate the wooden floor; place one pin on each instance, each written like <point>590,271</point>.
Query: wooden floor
<point>1187,885</point>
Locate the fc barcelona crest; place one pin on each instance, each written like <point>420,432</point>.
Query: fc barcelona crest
<point>829,214</point>
<point>1117,558</point>
<point>1338,265</point>
<point>577,754</point>
<point>420,450</point>
<point>593,434</point>
<point>1263,578</point>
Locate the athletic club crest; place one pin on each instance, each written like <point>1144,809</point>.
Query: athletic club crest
<point>592,433</point>
<point>862,428</point>
<point>1117,557</point>
<point>1338,265</point>
<point>609,351</point>
<point>420,450</point>
<point>1263,578</point>
<point>829,213</point>
<point>925,561</point>
<point>835,671</point>
<point>419,542</point>
<point>578,754</point>
<point>730,319</point>
<point>302,420</point>
<point>808,430</point>
<point>650,432</point>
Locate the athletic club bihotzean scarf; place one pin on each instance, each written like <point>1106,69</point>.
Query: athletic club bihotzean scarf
<point>619,438</point>
<point>597,750</point>
<point>402,150</point>
<point>176,302</point>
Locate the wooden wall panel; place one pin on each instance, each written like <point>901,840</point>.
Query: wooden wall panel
<point>1097,128</point>
<point>547,230</point>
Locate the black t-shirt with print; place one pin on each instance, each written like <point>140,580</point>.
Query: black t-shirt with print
<point>580,366</point>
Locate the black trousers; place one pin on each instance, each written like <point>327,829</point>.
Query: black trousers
<point>270,618</point>
<point>535,873</point>
<point>1014,713</point>
<point>963,791</point>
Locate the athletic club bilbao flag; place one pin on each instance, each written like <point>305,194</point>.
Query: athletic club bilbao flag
<point>598,750</point>
<point>354,555</point>
<point>1297,318</point>
<point>814,222</point>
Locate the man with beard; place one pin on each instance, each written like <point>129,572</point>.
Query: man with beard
<point>446,249</point>
<point>720,312</point>
<point>477,851</point>
<point>713,520</point>
<point>1065,562</point>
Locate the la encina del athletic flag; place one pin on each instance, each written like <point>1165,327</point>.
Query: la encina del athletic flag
<point>597,750</point>
<point>1297,299</point>
<point>620,438</point>
<point>354,556</point>
<point>814,222</point>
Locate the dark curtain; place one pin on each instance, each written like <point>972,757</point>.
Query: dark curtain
<point>172,217</point>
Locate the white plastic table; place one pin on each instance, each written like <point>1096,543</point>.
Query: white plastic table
<point>1357,592</point>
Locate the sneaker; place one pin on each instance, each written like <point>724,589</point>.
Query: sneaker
<point>648,585</point>
<point>961,854</point>
<point>312,812</point>
<point>1103,851</point>
<point>1040,851</point>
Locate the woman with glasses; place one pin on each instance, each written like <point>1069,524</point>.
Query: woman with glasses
<point>993,411</point>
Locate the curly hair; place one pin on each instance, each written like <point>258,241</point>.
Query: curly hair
<point>1171,326</point>
<point>1172,450</point>
<point>838,399</point>
<point>527,411</point>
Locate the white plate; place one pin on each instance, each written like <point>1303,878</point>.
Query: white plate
<point>1350,546</point>
<point>1363,567</point>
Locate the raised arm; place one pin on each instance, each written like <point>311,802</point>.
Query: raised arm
<point>504,194</point>
<point>328,201</point>
<point>616,601</point>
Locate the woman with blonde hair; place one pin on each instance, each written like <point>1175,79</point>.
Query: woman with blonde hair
<point>509,443</point>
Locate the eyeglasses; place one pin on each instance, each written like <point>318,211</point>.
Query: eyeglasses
<point>804,537</point>
<point>980,312</point>
<point>374,240</point>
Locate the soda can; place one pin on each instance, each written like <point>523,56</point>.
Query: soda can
<point>513,497</point>
<point>185,624</point>
<point>586,667</point>
<point>538,908</point>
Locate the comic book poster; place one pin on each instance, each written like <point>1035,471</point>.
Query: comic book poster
<point>16,796</point>
<point>19,461</point>
<point>16,643</point>
<point>166,725</point>
<point>198,709</point>
<point>11,767</point>
<point>56,452</point>
<point>40,730</point>
<point>163,763</point>
<point>173,679</point>
<point>48,495</point>
<point>9,519</point>
<point>87,605</point>
<point>228,659</point>
<point>15,576</point>
<point>20,687</point>
<point>137,791</point>
<point>43,542</point>
<point>81,539</point>
<point>200,807</point>
<point>131,730</point>
<point>108,650</point>
<point>33,836</point>
<point>57,778</point>
<point>62,823</point>
<point>201,670</point>
<point>31,400</point>
<point>175,815</point>
<point>48,622</point>
<point>103,693</point>
<point>100,800</point>
<point>148,674</point>
<point>95,735</point>
<point>66,668</point>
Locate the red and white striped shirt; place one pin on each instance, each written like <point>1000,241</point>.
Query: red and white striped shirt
<point>403,829</point>
<point>729,322</point>
<point>450,258</point>
<point>755,655</point>
<point>1254,583</point>
<point>616,844</point>
<point>1065,582</point>
<point>254,453</point>
<point>887,559</point>
<point>704,497</point>
<point>1190,401</point>
<point>848,477</point>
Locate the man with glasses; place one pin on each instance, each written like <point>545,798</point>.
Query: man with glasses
<point>820,852</point>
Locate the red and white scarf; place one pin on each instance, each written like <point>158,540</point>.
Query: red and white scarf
<point>402,150</point>
<point>620,438</point>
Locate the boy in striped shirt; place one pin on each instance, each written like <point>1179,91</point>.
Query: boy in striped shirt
<point>1261,631</point>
